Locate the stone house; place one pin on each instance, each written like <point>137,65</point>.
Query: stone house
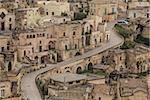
<point>103,8</point>
<point>133,89</point>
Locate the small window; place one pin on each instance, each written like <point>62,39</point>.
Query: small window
<point>30,36</point>
<point>2,93</point>
<point>33,36</point>
<point>64,34</point>
<point>66,47</point>
<point>32,50</point>
<point>64,20</point>
<point>74,33</point>
<point>27,36</point>
<point>40,42</point>
<point>10,19</point>
<point>24,53</point>
<point>52,13</point>
<point>46,13</point>
<point>78,81</point>
<point>70,82</point>
<point>2,49</point>
<point>10,26</point>
<point>43,34</point>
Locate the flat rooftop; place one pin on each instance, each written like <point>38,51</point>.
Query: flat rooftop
<point>68,77</point>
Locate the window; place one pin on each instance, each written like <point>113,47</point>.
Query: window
<point>10,26</point>
<point>120,58</point>
<point>32,50</point>
<point>64,20</point>
<point>2,93</point>
<point>10,19</point>
<point>30,36</point>
<point>113,10</point>
<point>33,36</point>
<point>147,15</point>
<point>43,34</point>
<point>64,34</point>
<point>24,53</point>
<point>40,48</point>
<point>99,98</point>
<point>40,42</point>
<point>52,13</point>
<point>134,15</point>
<point>2,49</point>
<point>66,47</point>
<point>2,26</point>
<point>105,11</point>
<point>46,13</point>
<point>7,47</point>
<point>75,46</point>
<point>70,82</point>
<point>78,81</point>
<point>74,33</point>
<point>27,36</point>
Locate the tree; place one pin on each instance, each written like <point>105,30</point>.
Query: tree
<point>79,16</point>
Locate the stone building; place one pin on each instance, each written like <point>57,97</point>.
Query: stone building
<point>103,8</point>
<point>134,60</point>
<point>27,18</point>
<point>7,21</point>
<point>69,86</point>
<point>133,89</point>
<point>142,12</point>
<point>8,87</point>
<point>54,8</point>
<point>138,59</point>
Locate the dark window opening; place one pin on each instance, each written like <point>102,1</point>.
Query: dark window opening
<point>2,26</point>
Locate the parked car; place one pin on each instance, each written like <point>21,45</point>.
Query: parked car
<point>123,22</point>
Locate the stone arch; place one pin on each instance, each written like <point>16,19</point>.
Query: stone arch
<point>90,66</point>
<point>51,45</point>
<point>67,71</point>
<point>77,53</point>
<point>43,59</point>
<point>78,70</point>
<point>9,66</point>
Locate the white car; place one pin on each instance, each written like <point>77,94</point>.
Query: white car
<point>125,22</point>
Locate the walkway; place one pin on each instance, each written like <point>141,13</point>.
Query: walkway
<point>28,85</point>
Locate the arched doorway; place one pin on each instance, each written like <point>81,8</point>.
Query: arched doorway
<point>89,67</point>
<point>9,66</point>
<point>79,70</point>
<point>67,71</point>
<point>77,54</point>
<point>51,45</point>
<point>42,59</point>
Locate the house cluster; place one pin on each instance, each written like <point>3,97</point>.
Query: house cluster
<point>34,33</point>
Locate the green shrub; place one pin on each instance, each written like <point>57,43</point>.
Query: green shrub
<point>128,45</point>
<point>141,39</point>
<point>79,16</point>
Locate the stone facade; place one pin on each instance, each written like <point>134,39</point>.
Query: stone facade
<point>133,89</point>
<point>7,20</point>
<point>107,10</point>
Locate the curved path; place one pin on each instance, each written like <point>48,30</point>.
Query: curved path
<point>28,85</point>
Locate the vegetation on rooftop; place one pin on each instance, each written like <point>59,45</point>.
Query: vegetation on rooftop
<point>96,72</point>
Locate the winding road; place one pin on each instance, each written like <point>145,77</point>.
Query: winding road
<point>28,85</point>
